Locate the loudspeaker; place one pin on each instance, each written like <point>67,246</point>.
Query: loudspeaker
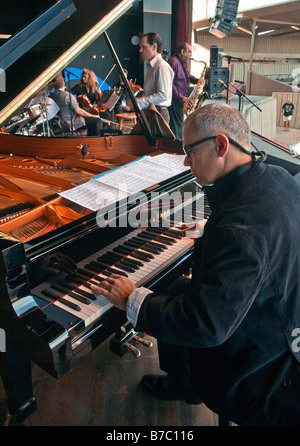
<point>213,75</point>
<point>215,58</point>
<point>224,19</point>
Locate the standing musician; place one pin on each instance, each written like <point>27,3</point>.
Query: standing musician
<point>88,86</point>
<point>71,114</point>
<point>182,79</point>
<point>158,81</point>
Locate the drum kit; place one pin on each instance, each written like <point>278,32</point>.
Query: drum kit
<point>36,118</point>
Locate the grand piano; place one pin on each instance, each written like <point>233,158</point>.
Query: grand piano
<point>47,311</point>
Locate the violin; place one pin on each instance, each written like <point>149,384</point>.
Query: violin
<point>86,104</point>
<point>135,88</point>
<point>101,107</point>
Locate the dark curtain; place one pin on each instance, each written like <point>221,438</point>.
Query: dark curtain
<point>179,23</point>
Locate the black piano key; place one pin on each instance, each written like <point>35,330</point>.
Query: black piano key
<point>95,267</point>
<point>152,243</point>
<point>56,297</point>
<point>143,247</point>
<point>134,254</point>
<point>167,238</point>
<point>69,304</point>
<point>73,280</point>
<point>115,271</point>
<point>79,297</point>
<point>50,294</point>
<point>83,293</point>
<point>119,260</point>
<point>173,233</point>
<point>132,251</point>
<point>149,243</point>
<point>124,267</point>
<point>103,267</point>
<point>132,262</point>
<point>109,260</point>
<point>93,281</point>
<point>82,273</point>
<point>57,287</point>
<point>160,238</point>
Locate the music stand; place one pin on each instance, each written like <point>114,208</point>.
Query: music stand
<point>231,89</point>
<point>235,89</point>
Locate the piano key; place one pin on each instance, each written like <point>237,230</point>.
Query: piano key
<point>69,304</point>
<point>132,252</point>
<point>152,243</point>
<point>101,267</point>
<point>115,261</point>
<point>79,297</point>
<point>131,262</point>
<point>58,298</point>
<point>76,296</point>
<point>112,256</point>
<point>142,246</point>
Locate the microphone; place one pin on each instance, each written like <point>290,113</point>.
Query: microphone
<point>228,56</point>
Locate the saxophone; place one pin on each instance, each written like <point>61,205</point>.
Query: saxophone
<point>199,95</point>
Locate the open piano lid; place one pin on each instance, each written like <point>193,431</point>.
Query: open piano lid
<point>35,68</point>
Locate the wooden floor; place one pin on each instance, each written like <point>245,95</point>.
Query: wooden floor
<point>104,390</point>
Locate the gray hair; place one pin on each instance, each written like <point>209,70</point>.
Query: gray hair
<point>213,119</point>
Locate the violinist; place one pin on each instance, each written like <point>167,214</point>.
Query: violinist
<point>87,87</point>
<point>74,117</point>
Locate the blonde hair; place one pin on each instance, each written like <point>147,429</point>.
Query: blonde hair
<point>92,79</point>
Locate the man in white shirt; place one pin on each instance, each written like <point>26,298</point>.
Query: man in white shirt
<point>158,81</point>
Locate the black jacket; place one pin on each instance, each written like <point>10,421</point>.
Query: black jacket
<point>241,318</point>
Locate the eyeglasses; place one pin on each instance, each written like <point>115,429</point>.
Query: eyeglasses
<point>187,149</point>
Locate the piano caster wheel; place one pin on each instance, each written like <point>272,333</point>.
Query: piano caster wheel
<point>135,351</point>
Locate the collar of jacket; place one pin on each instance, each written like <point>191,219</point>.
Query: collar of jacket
<point>228,185</point>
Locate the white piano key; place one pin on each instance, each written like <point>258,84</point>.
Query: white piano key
<point>90,313</point>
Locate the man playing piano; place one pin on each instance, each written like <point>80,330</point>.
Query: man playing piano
<point>235,324</point>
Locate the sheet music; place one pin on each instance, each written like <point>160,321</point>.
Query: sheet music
<point>94,195</point>
<point>170,161</point>
<point>114,185</point>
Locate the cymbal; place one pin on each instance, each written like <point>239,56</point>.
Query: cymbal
<point>45,89</point>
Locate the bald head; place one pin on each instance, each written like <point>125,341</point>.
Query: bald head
<point>216,138</point>
<point>213,119</point>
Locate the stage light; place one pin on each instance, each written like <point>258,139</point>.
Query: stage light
<point>225,18</point>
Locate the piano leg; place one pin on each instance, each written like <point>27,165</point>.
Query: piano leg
<point>15,372</point>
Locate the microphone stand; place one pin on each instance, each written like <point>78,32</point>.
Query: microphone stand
<point>70,105</point>
<point>240,95</point>
<point>229,62</point>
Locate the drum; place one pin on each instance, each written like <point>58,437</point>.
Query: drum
<point>43,106</point>
<point>36,111</point>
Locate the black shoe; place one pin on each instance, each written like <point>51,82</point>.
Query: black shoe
<point>161,387</point>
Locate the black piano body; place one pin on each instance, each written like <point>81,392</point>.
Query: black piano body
<point>51,335</point>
